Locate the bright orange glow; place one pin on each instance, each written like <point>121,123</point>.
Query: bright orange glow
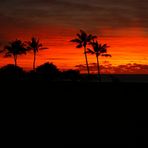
<point>126,46</point>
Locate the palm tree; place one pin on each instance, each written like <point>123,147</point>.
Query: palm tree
<point>83,39</point>
<point>98,50</point>
<point>35,46</point>
<point>14,49</point>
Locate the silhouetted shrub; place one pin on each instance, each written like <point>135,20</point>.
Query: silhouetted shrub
<point>47,71</point>
<point>10,72</point>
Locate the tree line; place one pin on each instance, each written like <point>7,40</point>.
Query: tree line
<point>18,47</point>
<point>83,40</point>
<point>88,42</point>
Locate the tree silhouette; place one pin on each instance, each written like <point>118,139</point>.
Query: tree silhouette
<point>11,72</point>
<point>14,49</point>
<point>35,46</point>
<point>98,50</point>
<point>83,39</point>
<point>48,71</point>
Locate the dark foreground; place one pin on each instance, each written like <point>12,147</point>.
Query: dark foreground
<point>76,112</point>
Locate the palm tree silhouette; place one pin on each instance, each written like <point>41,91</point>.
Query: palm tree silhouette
<point>83,39</point>
<point>14,49</point>
<point>98,50</point>
<point>34,45</point>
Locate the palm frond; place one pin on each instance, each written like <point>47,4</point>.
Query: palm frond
<point>94,37</point>
<point>43,48</point>
<point>79,46</point>
<point>79,36</point>
<point>105,46</point>
<point>28,48</point>
<point>76,40</point>
<point>90,51</point>
<point>16,47</point>
<point>34,45</point>
<point>83,35</point>
<point>103,50</point>
<point>91,38</point>
<point>8,47</point>
<point>106,55</point>
<point>83,32</point>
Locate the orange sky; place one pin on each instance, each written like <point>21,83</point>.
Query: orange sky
<point>123,25</point>
<point>125,49</point>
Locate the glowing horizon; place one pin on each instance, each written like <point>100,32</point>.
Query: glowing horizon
<point>121,25</point>
<point>65,55</point>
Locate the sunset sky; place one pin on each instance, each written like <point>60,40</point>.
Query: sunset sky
<point>123,25</point>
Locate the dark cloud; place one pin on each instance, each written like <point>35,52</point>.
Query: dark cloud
<point>30,15</point>
<point>121,69</point>
<point>87,13</point>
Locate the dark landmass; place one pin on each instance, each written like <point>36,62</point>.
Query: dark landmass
<point>74,108</point>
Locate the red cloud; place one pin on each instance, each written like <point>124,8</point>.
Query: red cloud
<point>121,69</point>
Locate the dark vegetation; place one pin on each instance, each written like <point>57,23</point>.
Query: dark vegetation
<point>76,112</point>
<point>49,71</point>
<point>72,108</point>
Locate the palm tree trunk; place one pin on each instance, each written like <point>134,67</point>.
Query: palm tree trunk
<point>34,61</point>
<point>86,60</point>
<point>98,67</point>
<point>15,60</point>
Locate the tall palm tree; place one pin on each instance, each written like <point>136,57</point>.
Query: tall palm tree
<point>35,46</point>
<point>98,50</point>
<point>83,39</point>
<point>14,49</point>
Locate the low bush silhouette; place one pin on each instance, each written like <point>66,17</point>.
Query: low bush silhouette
<point>46,71</point>
<point>11,72</point>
